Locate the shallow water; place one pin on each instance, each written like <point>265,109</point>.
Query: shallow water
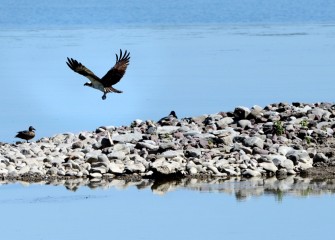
<point>232,209</point>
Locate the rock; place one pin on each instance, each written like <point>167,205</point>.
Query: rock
<point>24,170</point>
<point>172,153</point>
<point>320,157</point>
<point>281,173</point>
<point>53,171</point>
<point>167,129</point>
<point>254,142</point>
<point>116,168</point>
<point>78,144</point>
<point>245,124</point>
<point>127,138</point>
<point>148,144</point>
<point>283,150</point>
<point>101,170</point>
<point>270,167</point>
<point>241,112</point>
<point>135,167</point>
<point>122,147</point>
<point>287,164</point>
<point>251,173</point>
<point>193,152</point>
<point>164,167</point>
<point>116,155</point>
<point>224,122</point>
<point>96,175</point>
<point>193,170</point>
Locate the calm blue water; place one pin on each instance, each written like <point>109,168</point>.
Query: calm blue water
<point>195,57</point>
<point>51,212</point>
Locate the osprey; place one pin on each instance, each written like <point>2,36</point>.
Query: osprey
<point>105,83</point>
<point>26,135</point>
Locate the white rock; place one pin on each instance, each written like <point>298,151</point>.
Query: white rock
<point>24,170</point>
<point>268,167</point>
<point>96,175</point>
<point>167,129</point>
<point>251,173</point>
<point>288,164</point>
<point>135,167</point>
<point>192,170</point>
<point>128,137</point>
<point>116,167</point>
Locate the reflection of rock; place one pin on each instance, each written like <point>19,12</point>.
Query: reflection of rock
<point>234,186</point>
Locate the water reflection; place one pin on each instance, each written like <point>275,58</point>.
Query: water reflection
<point>241,188</point>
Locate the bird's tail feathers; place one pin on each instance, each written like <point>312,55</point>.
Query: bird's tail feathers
<point>111,89</point>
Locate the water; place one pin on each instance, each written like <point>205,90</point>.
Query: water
<point>231,209</point>
<point>195,57</point>
<point>192,70</point>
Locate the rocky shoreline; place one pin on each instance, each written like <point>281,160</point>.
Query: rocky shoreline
<point>278,140</point>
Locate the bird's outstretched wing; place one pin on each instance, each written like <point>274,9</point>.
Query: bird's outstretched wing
<point>81,69</point>
<point>115,74</point>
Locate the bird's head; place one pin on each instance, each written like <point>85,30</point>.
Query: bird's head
<point>32,128</point>
<point>173,114</point>
<point>88,84</point>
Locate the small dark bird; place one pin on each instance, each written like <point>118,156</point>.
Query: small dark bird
<point>26,135</point>
<point>105,83</point>
<point>171,119</point>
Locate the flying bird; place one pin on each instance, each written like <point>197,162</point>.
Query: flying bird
<point>26,135</point>
<point>105,83</point>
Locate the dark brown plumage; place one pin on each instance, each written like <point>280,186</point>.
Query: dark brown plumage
<point>26,135</point>
<point>172,119</point>
<point>112,77</point>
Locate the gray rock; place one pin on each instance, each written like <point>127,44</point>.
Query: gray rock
<point>254,142</point>
<point>270,167</point>
<point>127,138</point>
<point>283,150</point>
<point>287,164</point>
<point>320,157</point>
<point>135,167</point>
<point>116,155</point>
<point>122,147</point>
<point>172,153</point>
<point>167,129</point>
<point>52,171</point>
<point>276,159</point>
<point>245,124</point>
<point>148,144</point>
<point>251,173</point>
<point>193,152</point>
<point>101,170</point>
<point>241,112</point>
<point>224,122</point>
<point>78,144</point>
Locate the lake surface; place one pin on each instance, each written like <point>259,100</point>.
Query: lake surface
<point>192,70</point>
<point>195,57</point>
<point>294,208</point>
